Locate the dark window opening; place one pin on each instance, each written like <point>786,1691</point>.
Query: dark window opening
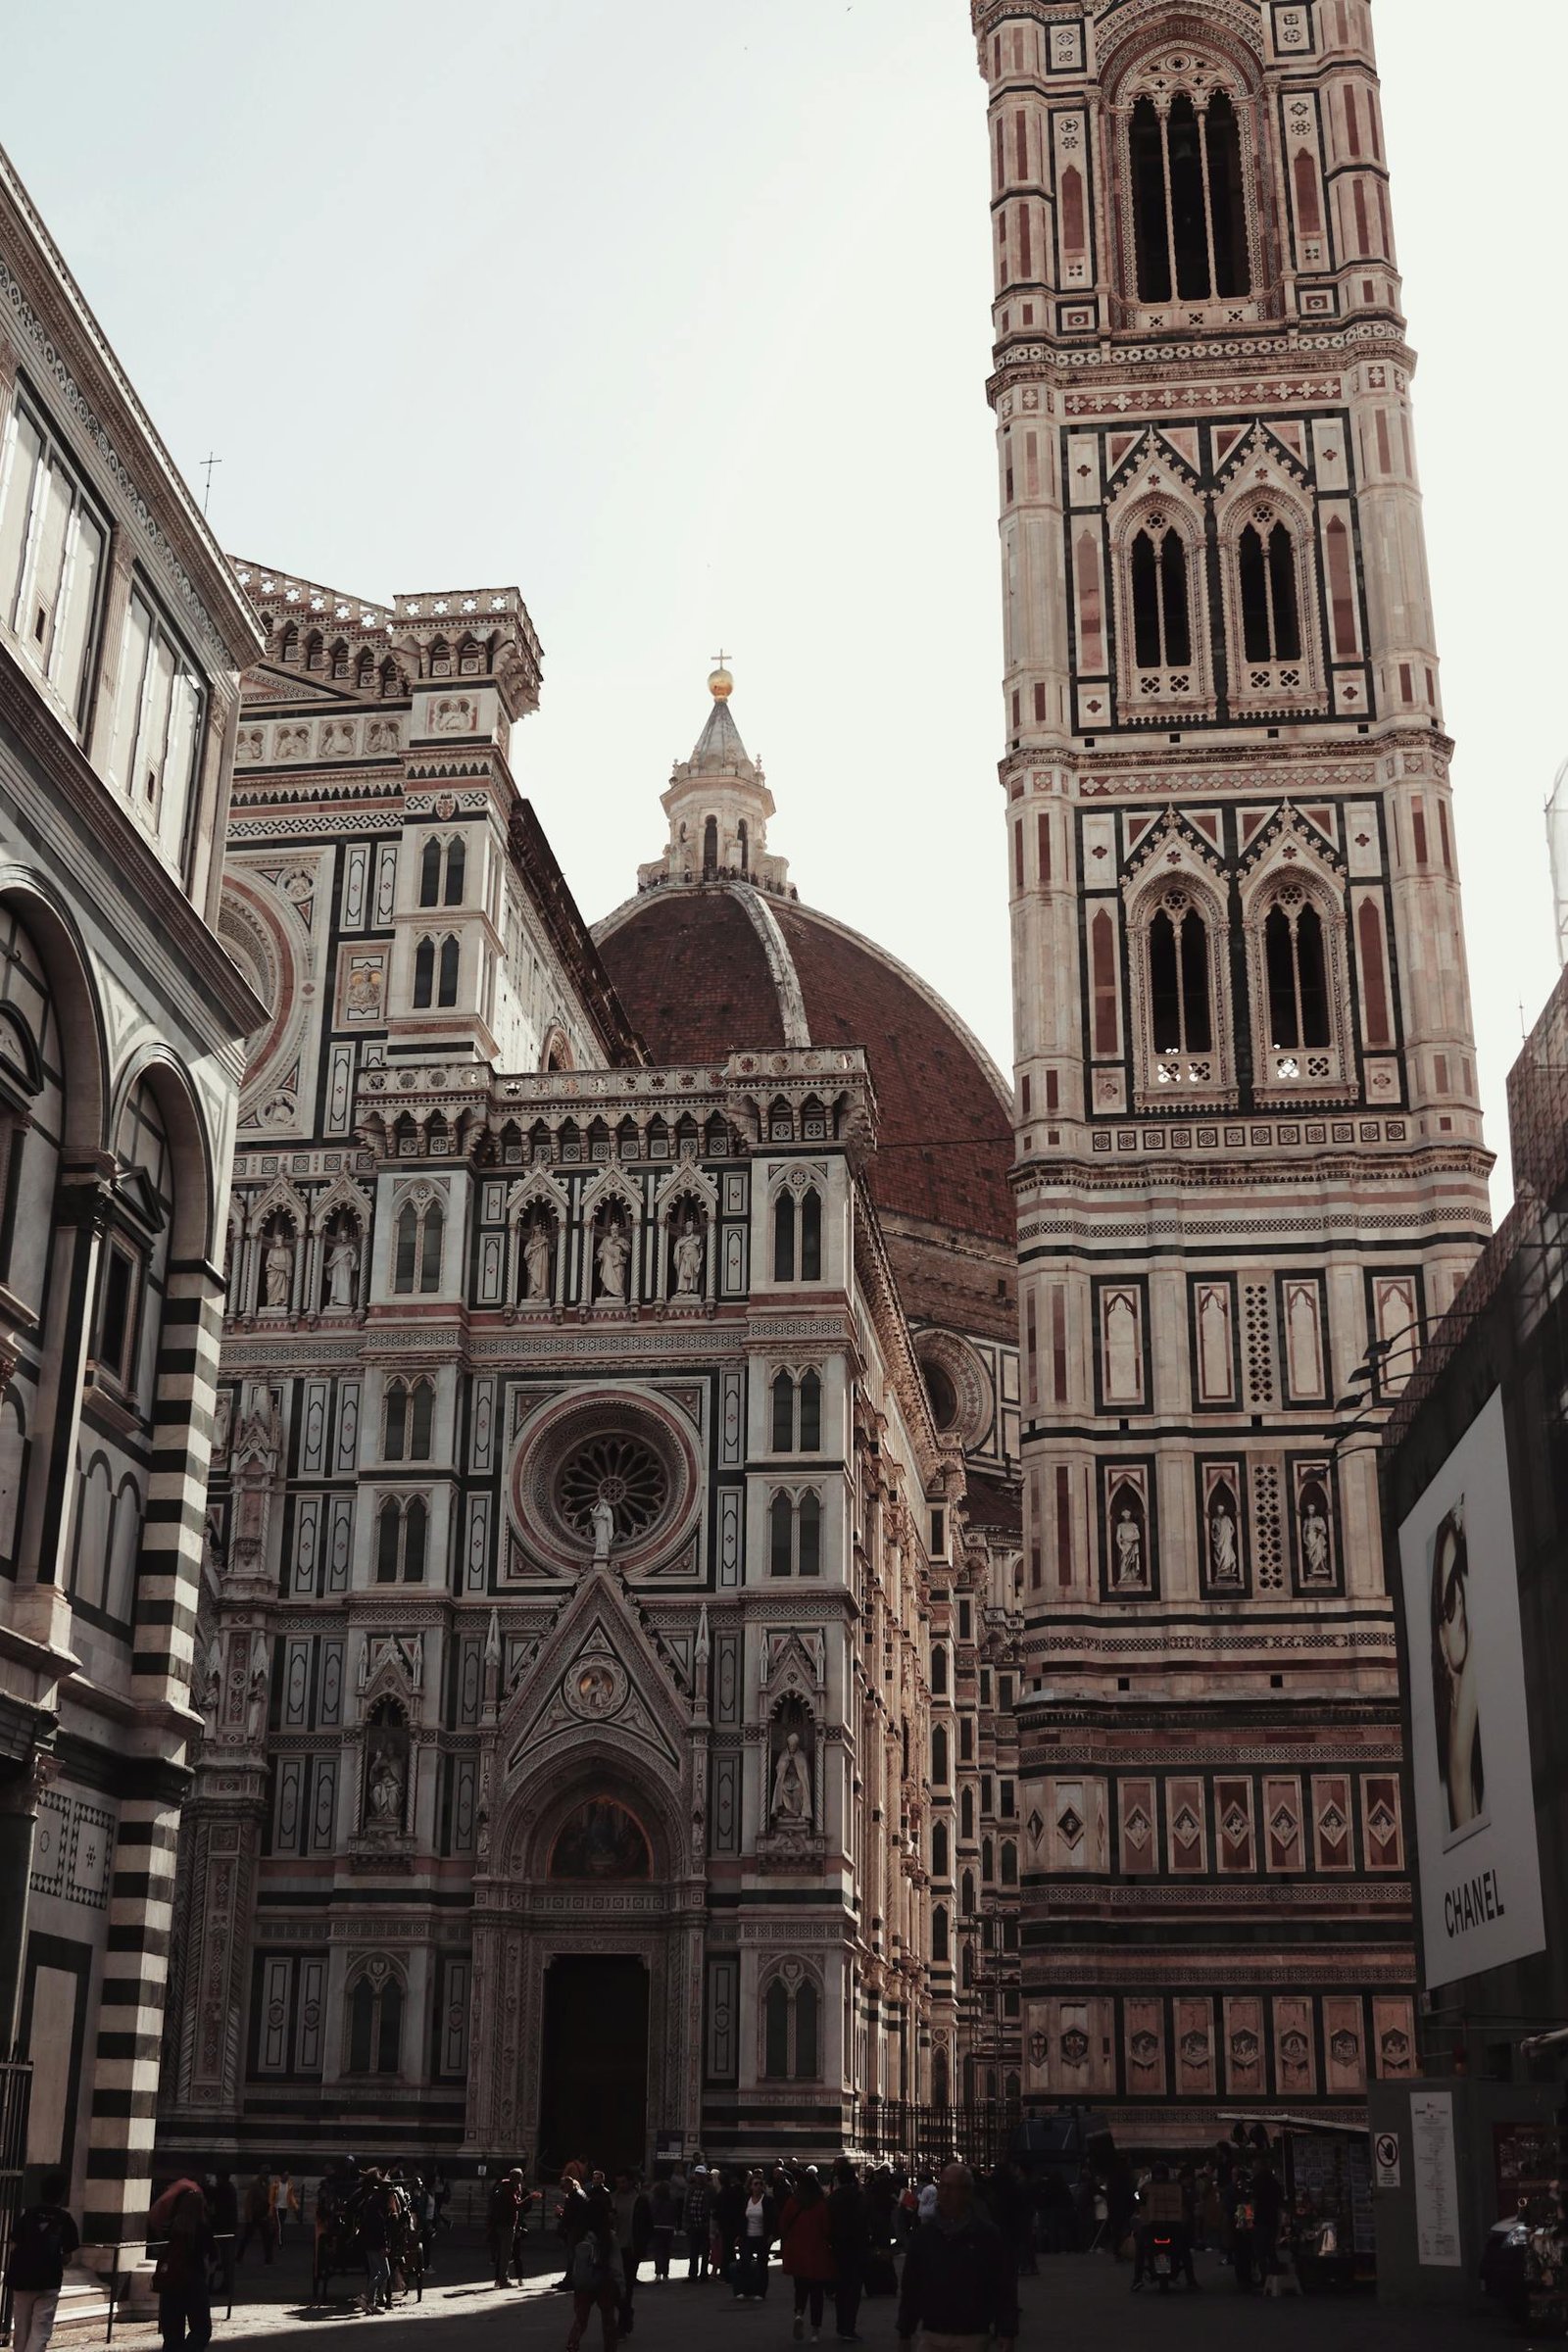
<point>811,1536</point>
<point>811,1238</point>
<point>1188,208</point>
<point>776,2032</point>
<point>780,1536</point>
<point>1297,977</point>
<point>1178,982</point>
<point>423,974</point>
<point>430,874</point>
<point>710,848</point>
<point>457,865</point>
<point>811,1413</point>
<point>1162,635</point>
<point>450,956</point>
<point>784,1239</point>
<point>783,1414</point>
<point>1271,628</point>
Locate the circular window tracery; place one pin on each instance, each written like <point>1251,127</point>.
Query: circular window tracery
<point>943,1397</point>
<point>620,1470</point>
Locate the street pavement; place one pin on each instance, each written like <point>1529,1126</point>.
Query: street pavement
<point>1079,2303</point>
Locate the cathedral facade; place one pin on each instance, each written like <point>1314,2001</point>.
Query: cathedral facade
<point>1249,1169</point>
<point>610,1631</point>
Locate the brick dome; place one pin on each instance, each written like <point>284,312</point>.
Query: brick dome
<point>720,967</point>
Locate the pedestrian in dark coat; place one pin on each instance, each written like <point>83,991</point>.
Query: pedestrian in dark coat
<point>958,2281</point>
<point>850,2229</point>
<point>805,2249</point>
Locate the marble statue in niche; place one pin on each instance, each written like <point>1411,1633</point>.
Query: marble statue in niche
<point>342,1268</point>
<point>688,1259</point>
<point>537,1253</point>
<point>611,1260</point>
<point>277,1272</point>
<point>386,1770</point>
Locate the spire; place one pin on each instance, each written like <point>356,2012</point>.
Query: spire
<point>718,805</point>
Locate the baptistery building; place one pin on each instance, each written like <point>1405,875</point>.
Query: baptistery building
<point>610,1612</point>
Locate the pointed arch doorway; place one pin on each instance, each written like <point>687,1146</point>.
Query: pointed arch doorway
<point>593,2087</point>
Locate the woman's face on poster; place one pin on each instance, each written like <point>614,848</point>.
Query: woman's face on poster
<point>1453,1631</point>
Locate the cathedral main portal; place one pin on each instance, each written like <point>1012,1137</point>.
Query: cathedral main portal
<point>593,2088</point>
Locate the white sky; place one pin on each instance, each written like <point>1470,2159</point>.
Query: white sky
<point>676,314</point>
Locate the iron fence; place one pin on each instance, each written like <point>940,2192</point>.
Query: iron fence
<point>15,2099</point>
<point>903,2132</point>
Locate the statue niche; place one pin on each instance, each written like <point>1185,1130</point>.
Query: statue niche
<point>688,1249</point>
<point>340,1271</point>
<point>386,1770</point>
<point>612,1255</point>
<point>790,1834</point>
<point>538,1256</point>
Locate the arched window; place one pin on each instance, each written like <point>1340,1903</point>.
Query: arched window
<point>1189,215</point>
<point>811,1413</point>
<point>395,1446</point>
<point>431,1247</point>
<point>988,1860</point>
<point>780,1536</point>
<point>315,651</point>
<point>808,2009</point>
<point>783,1414</point>
<point>809,1531</point>
<point>340,659</point>
<point>776,2032</point>
<point>1181,1018</point>
<point>784,1238</point>
<point>421,1420</point>
<point>811,1237</point>
<point>710,848</point>
<point>1009,1863</point>
<point>968,1879</point>
<point>966,1971</point>
<point>1298,975</point>
<point>1163,630</point>
<point>430,874</point>
<point>376,2026</point>
<point>966,1822</point>
<point>364,670</point>
<point>939,1672</point>
<point>423,974</point>
<point>792,2034</point>
<point>939,1934</point>
<point>447,994</point>
<point>743,846</point>
<point>416,1523</point>
<point>939,1850</point>
<point>388,1542</point>
<point>1272,625</point>
<point>416,1248</point>
<point>456,864</point>
<point>939,1755</point>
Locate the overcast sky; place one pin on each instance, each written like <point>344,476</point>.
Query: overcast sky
<point>677,315</point>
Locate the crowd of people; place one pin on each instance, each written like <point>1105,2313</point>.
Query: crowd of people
<point>836,2238</point>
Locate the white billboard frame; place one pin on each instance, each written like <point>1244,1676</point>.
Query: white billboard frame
<point>1475,1820</point>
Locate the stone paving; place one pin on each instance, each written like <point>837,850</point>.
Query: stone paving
<point>1079,2303</point>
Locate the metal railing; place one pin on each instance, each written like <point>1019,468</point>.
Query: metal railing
<point>902,2131</point>
<point>16,2101</point>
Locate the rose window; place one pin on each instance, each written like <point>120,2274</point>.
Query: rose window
<point>621,1471</point>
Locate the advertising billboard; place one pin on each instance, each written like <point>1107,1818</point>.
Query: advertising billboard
<point>1469,1730</point>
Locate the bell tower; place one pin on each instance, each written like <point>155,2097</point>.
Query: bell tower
<point>1250,1164</point>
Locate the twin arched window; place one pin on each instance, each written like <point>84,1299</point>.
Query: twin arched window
<point>795,1536</point>
<point>375,2027</point>
<point>409,1420</point>
<point>797,1413</point>
<point>416,1248</point>
<point>1162,627</point>
<point>939,1850</point>
<point>939,1934</point>
<point>1188,209</point>
<point>1181,1011</point>
<point>435,972</point>
<point>1265,570</point>
<point>792,2020</point>
<point>1297,972</point>
<point>798,1238</point>
<point>402,1534</point>
<point>434,861</point>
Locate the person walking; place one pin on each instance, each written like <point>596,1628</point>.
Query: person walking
<point>729,2225</point>
<point>758,2228</point>
<point>226,2229</point>
<point>699,2214</point>
<point>634,2230</point>
<point>184,2300</point>
<point>806,2250</point>
<point>258,2218</point>
<point>663,2204</point>
<point>597,2279</point>
<point>501,2224</point>
<point>958,2284</point>
<point>376,2237</point>
<point>43,2238</point>
<point>850,2232</point>
<point>571,2218</point>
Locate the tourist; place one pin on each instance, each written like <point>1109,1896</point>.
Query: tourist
<point>43,2239</point>
<point>758,2228</point>
<point>597,2279</point>
<point>185,2301</point>
<point>850,2232</point>
<point>698,2216</point>
<point>665,2207</point>
<point>729,2224</point>
<point>634,2230</point>
<point>925,2197</point>
<point>258,2218</point>
<point>501,2216</point>
<point>958,2284</point>
<point>805,2249</point>
<point>376,2237</point>
<point>571,2216</point>
<point>224,2201</point>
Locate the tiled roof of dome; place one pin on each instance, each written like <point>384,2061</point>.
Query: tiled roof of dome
<point>707,970</point>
